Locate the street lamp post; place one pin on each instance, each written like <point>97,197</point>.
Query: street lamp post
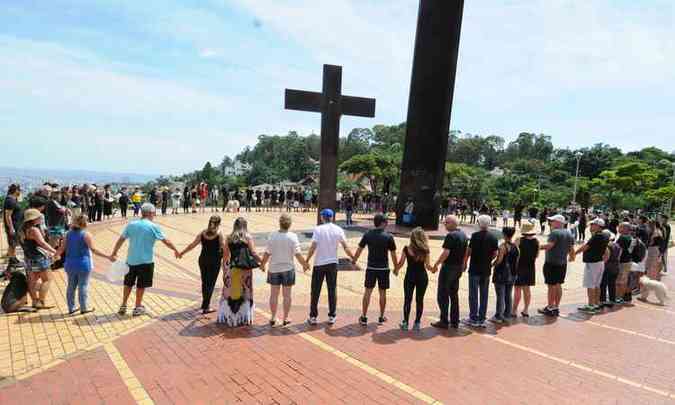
<point>576,178</point>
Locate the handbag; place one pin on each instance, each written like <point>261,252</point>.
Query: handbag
<point>245,260</point>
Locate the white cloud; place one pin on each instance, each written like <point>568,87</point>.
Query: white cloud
<point>208,53</point>
<point>516,57</point>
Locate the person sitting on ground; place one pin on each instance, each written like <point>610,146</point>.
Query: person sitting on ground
<point>379,243</point>
<point>282,247</point>
<point>416,278</point>
<point>142,236</point>
<point>78,246</point>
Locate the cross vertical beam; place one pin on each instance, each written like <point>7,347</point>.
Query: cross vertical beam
<point>332,105</point>
<point>330,136</point>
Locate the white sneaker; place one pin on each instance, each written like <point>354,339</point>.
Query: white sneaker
<point>331,320</point>
<point>312,320</point>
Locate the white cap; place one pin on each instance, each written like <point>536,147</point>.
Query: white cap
<point>558,218</point>
<point>598,221</point>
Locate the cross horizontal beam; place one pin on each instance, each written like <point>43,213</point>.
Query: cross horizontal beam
<point>310,101</point>
<point>303,100</point>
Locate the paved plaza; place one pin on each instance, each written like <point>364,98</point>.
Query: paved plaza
<point>174,354</point>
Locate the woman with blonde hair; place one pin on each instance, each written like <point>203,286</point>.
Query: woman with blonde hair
<point>210,259</point>
<point>416,278</point>
<point>236,303</point>
<point>78,246</point>
<point>282,247</point>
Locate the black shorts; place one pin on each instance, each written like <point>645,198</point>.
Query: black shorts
<point>554,273</point>
<point>140,275</point>
<point>379,277</point>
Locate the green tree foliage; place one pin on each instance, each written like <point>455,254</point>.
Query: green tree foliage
<point>531,169</point>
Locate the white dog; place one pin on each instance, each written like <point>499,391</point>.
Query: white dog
<point>647,285</point>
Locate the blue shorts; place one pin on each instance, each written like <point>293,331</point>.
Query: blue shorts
<point>38,265</point>
<point>286,278</point>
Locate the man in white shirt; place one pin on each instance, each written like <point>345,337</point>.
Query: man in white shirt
<point>325,241</point>
<point>282,247</point>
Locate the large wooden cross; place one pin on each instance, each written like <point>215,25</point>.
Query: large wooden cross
<point>332,105</point>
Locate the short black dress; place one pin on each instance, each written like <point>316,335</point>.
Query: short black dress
<point>526,271</point>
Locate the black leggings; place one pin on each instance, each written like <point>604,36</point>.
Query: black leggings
<point>608,285</point>
<point>414,281</point>
<point>209,269</point>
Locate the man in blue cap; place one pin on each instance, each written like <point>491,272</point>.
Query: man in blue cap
<point>325,241</point>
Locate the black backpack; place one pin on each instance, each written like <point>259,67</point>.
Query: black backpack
<point>639,251</point>
<point>15,291</point>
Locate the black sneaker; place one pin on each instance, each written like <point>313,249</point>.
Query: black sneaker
<point>440,325</point>
<point>381,320</point>
<point>546,311</point>
<point>363,321</point>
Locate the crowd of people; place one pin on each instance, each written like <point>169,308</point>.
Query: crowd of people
<point>623,252</point>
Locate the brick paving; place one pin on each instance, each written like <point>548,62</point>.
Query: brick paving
<point>176,355</point>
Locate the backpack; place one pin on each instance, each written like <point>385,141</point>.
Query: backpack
<point>638,251</point>
<point>15,291</point>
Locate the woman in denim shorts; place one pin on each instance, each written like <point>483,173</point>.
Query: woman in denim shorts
<point>37,253</point>
<point>282,247</point>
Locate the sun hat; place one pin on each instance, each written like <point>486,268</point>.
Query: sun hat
<point>31,214</point>
<point>558,218</point>
<point>327,213</point>
<point>527,229</point>
<point>598,221</point>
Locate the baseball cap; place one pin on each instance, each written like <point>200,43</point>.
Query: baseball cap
<point>598,221</point>
<point>558,218</point>
<point>327,213</point>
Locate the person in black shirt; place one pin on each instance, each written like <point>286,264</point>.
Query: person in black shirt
<point>482,251</point>
<point>258,200</point>
<point>379,243</point>
<point>348,205</point>
<point>451,259</point>
<point>518,215</point>
<point>595,254</point>
<point>266,197</point>
<point>124,202</point>
<point>273,198</point>
<point>625,240</point>
<point>11,219</point>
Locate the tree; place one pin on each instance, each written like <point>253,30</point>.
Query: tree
<point>375,167</point>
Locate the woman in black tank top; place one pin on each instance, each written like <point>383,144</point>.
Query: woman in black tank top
<point>210,259</point>
<point>416,278</point>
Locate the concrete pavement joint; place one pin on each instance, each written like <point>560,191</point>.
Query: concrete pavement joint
<point>361,365</point>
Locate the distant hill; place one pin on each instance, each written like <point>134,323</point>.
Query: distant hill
<point>31,178</point>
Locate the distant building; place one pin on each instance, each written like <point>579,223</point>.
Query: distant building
<point>238,168</point>
<point>497,172</point>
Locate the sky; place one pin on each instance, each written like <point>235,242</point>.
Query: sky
<point>160,87</point>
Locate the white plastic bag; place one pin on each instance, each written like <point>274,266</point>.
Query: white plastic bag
<point>117,271</point>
